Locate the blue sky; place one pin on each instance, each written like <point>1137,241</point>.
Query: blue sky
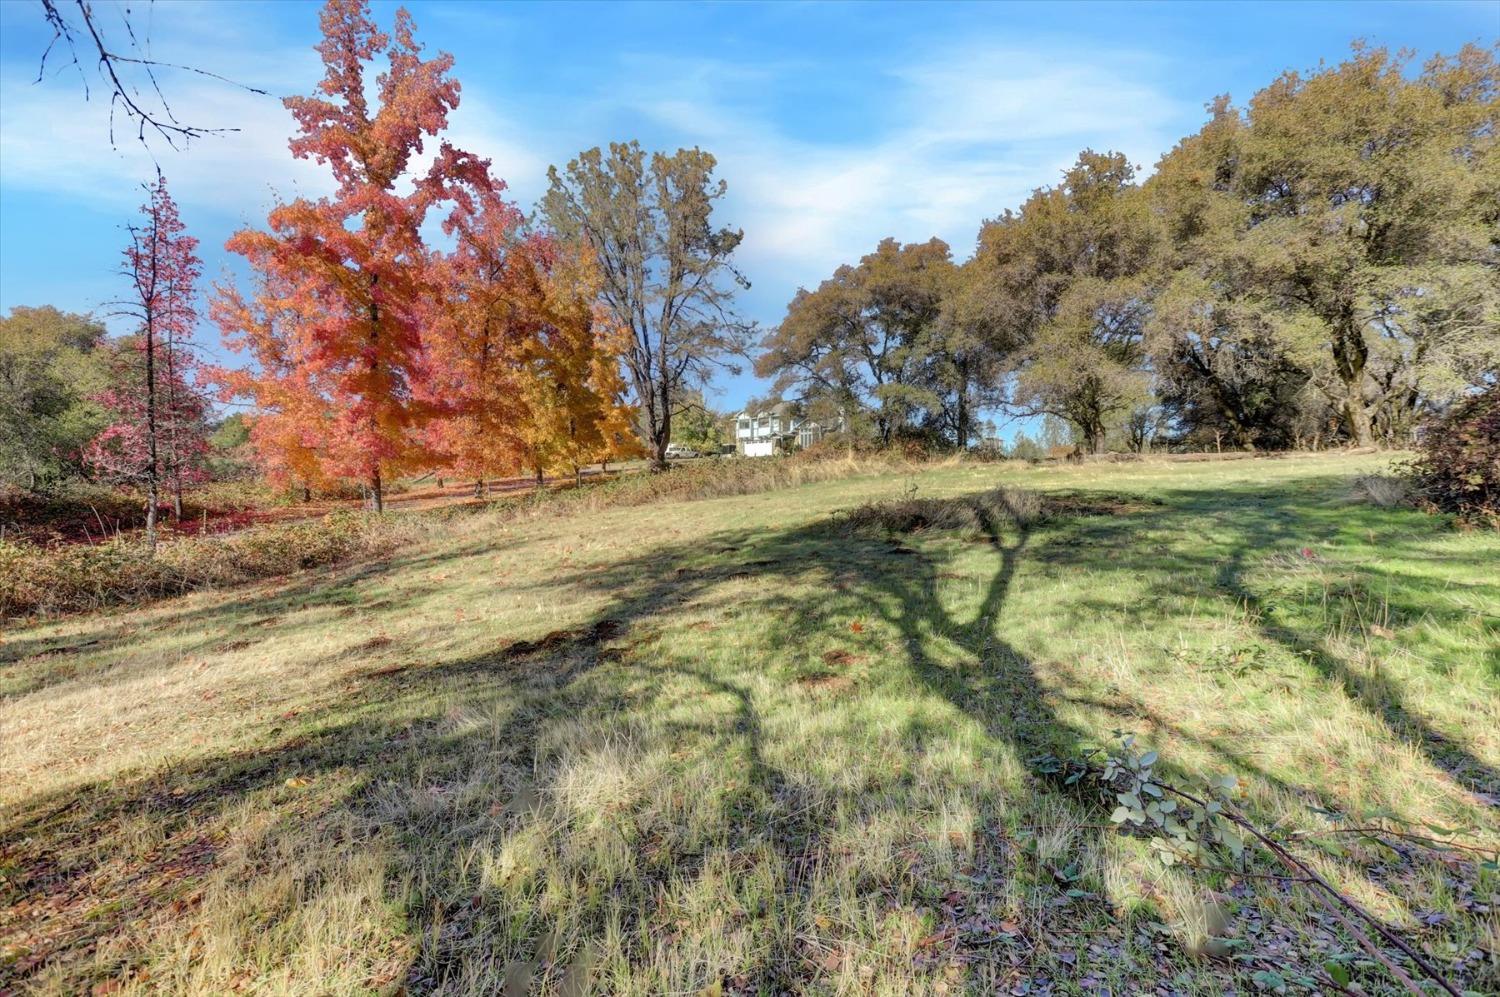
<point>835,124</point>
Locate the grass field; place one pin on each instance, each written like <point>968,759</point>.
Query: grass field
<point>739,746</point>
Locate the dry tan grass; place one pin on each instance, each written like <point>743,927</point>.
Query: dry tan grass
<point>441,771</point>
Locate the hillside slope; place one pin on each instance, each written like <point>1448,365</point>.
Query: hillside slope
<point>739,746</point>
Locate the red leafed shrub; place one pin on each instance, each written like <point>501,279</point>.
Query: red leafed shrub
<point>1458,463</point>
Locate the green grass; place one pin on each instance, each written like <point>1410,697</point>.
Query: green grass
<point>739,746</point>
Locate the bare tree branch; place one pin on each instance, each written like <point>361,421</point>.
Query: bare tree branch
<point>70,26</point>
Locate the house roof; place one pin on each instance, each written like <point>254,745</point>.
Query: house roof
<point>780,408</point>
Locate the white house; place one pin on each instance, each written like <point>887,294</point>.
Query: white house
<point>761,434</point>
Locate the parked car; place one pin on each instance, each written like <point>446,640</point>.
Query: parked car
<point>676,451</point>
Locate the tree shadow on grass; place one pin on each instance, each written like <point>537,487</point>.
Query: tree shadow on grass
<point>1244,530</point>
<point>443,762</point>
<point>86,868</point>
<point>884,578</point>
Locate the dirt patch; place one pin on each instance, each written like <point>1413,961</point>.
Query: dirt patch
<point>1083,505</point>
<point>979,514</point>
<point>826,684</point>
<point>375,643</point>
<point>841,658</point>
<point>589,636</point>
<point>388,671</point>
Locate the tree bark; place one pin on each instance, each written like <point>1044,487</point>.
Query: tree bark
<point>377,496</point>
<point>664,425</point>
<point>1349,356</point>
<point>1358,417</point>
<point>963,406</point>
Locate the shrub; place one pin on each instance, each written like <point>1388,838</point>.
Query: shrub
<point>1457,468</point>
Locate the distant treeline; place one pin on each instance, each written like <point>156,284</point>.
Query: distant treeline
<point>1319,267</point>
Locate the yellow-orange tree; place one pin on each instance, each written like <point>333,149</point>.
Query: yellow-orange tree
<point>483,300</point>
<point>570,377</point>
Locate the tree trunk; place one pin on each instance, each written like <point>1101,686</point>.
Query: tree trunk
<point>306,493</point>
<point>379,499</point>
<point>541,480</point>
<point>151,500</point>
<point>1349,357</point>
<point>152,492</point>
<point>177,497</point>
<point>479,488</point>
<point>663,431</point>
<point>1357,415</point>
<point>577,476</point>
<point>963,406</point>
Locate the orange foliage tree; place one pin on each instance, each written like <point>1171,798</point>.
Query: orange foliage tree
<point>571,382</point>
<point>345,280</point>
<point>478,316</point>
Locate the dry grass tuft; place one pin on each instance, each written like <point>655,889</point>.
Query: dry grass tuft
<point>69,578</point>
<point>1384,490</point>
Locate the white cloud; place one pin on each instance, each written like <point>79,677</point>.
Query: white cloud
<point>57,142</point>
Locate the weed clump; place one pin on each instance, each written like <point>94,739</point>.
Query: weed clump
<point>1383,490</point>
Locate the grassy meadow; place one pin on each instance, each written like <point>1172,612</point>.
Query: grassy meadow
<point>746,745</point>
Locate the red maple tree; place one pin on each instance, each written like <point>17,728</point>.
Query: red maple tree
<point>346,280</point>
<point>158,434</point>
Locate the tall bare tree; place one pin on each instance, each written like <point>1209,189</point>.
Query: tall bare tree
<point>668,274</point>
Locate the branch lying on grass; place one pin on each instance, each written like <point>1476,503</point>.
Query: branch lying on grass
<point>1422,839</point>
<point>1326,893</point>
<point>1198,831</point>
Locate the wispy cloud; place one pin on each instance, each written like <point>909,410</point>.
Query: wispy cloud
<point>964,135</point>
<point>929,146</point>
